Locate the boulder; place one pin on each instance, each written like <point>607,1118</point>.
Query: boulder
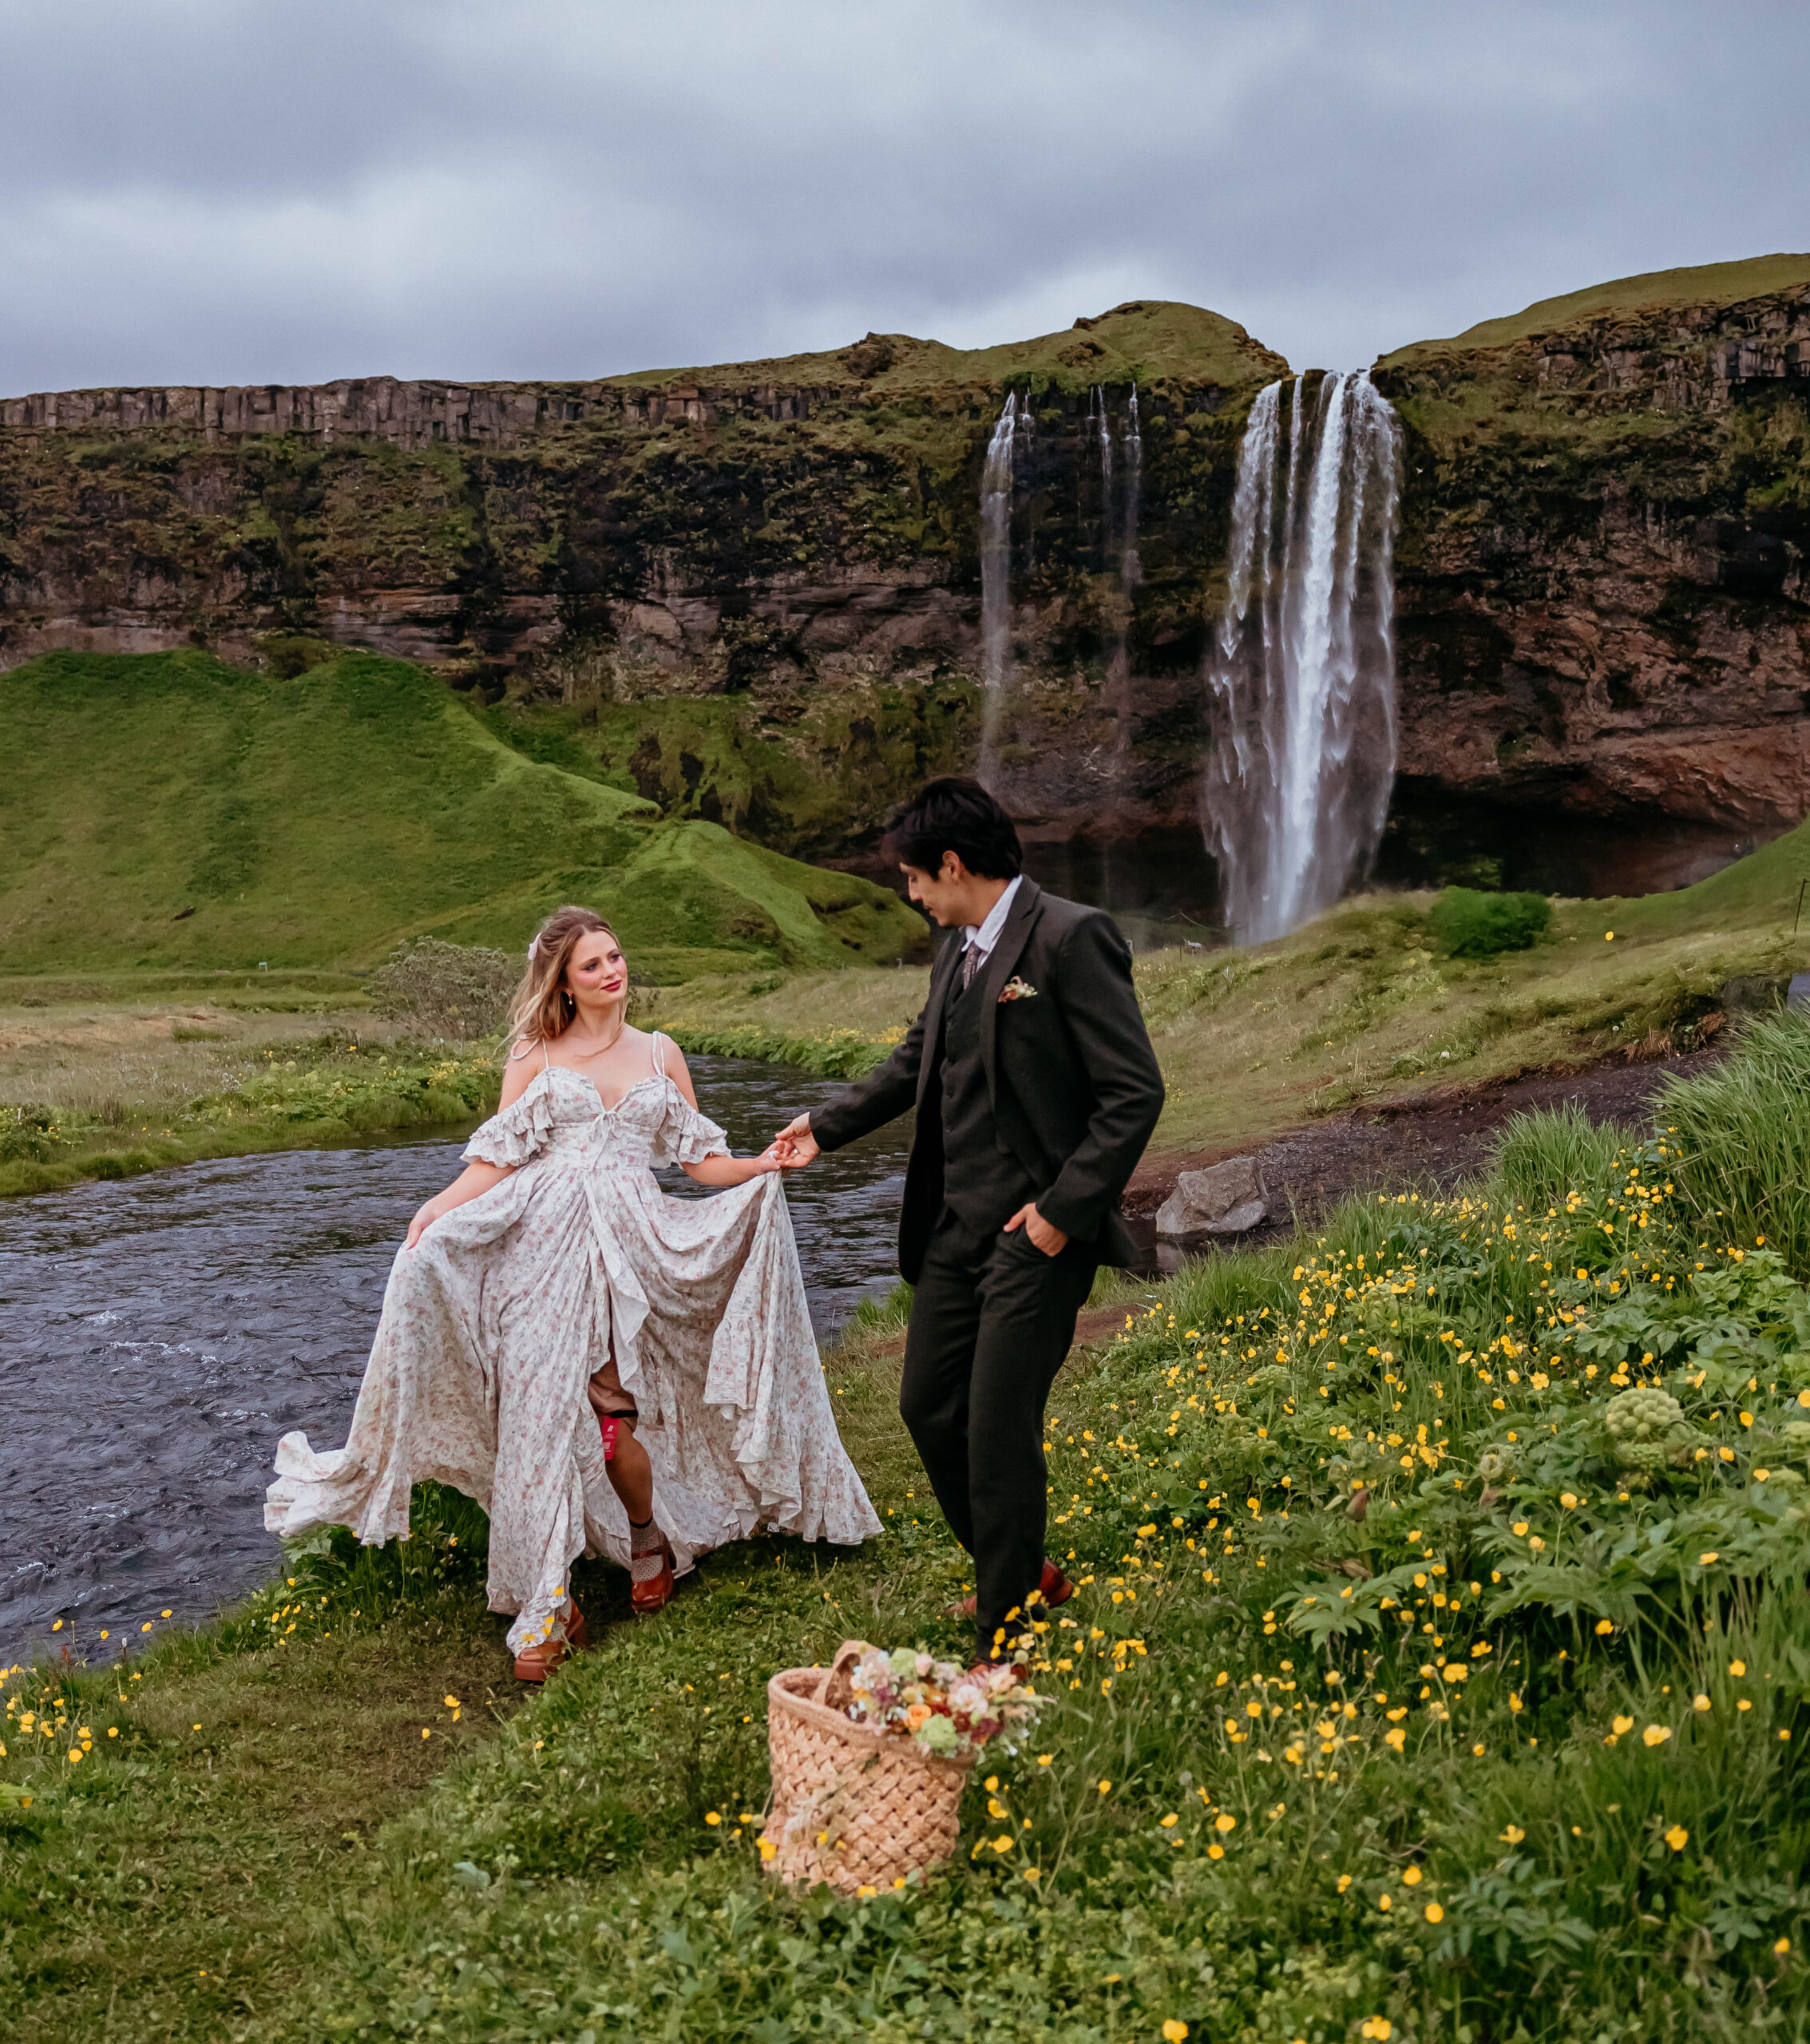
<point>1224,1199</point>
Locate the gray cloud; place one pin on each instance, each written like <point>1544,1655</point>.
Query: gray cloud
<point>262,190</point>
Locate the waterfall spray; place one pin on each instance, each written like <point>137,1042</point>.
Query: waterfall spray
<point>1301,674</point>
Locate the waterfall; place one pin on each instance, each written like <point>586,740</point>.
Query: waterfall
<point>1118,509</point>
<point>1131,568</point>
<point>1099,431</point>
<point>996,544</point>
<point>1301,673</point>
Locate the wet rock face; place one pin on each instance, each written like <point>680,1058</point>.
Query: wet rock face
<point>1602,599</point>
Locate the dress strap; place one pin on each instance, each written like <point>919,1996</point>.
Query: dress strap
<point>546,1062</point>
<point>660,1057</point>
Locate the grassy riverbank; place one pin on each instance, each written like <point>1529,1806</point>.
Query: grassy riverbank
<point>136,1069</point>
<point>1439,1671</point>
<point>99,1088</point>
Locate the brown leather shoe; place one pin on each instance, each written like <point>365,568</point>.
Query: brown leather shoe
<point>648,1592</point>
<point>1054,1588</point>
<point>535,1664</point>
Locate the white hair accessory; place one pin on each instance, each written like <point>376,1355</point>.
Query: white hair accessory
<point>533,948</point>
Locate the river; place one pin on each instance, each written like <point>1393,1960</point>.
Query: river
<point>158,1333</point>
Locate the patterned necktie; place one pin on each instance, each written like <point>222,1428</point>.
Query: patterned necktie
<point>970,964</point>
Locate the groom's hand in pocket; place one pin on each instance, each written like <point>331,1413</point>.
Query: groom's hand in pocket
<point>1050,1240</point>
<point>795,1144</point>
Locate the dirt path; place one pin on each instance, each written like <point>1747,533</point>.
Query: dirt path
<point>1434,1138</point>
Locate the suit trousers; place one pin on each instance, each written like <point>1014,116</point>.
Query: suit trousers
<point>992,1320</point>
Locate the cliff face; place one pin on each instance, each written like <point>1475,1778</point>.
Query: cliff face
<point>1602,589</point>
<point>752,592</point>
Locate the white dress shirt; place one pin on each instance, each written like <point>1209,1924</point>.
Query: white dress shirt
<point>982,937</point>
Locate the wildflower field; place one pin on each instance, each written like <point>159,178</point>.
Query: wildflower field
<point>1439,1670</point>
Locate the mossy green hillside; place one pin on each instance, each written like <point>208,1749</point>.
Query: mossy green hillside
<point>1706,283</point>
<point>806,776</point>
<point>170,811</point>
<point>1144,340</point>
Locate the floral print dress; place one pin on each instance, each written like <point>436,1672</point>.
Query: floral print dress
<point>493,1323</point>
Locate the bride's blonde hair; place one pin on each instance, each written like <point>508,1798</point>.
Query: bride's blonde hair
<point>542,1009</point>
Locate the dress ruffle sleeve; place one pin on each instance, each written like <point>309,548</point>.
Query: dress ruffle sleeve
<point>685,1136</point>
<point>519,1132</point>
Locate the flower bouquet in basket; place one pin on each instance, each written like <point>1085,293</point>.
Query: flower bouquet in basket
<point>869,1756</point>
<point>948,1711</point>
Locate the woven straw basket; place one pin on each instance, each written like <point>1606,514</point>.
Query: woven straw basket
<point>851,1806</point>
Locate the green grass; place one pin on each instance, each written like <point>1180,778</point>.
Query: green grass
<point>1409,1684</point>
<point>1714,283</point>
<point>327,1090</point>
<point>169,812</point>
<point>1745,1128</point>
<point>1540,1157</point>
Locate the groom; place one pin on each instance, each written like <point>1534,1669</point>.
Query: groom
<point>1036,1090</point>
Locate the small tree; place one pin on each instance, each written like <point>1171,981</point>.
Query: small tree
<point>458,989</point>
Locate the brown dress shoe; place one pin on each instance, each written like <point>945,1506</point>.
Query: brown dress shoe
<point>1054,1588</point>
<point>651,1581</point>
<point>535,1664</point>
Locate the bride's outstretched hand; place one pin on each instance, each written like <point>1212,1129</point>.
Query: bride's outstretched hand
<point>794,1145</point>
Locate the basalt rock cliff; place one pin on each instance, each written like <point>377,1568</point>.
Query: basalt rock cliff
<point>1602,589</point>
<point>752,592</point>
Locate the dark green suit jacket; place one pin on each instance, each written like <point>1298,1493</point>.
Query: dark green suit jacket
<point>1070,1074</point>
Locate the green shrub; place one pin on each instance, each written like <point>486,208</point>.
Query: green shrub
<point>460,989</point>
<point>1468,924</point>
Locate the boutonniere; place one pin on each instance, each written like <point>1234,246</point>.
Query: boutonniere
<point>1017,989</point>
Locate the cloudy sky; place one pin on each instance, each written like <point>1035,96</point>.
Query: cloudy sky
<point>241,191</point>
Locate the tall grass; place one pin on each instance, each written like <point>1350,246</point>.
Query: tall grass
<point>1745,1130</point>
<point>1551,1152</point>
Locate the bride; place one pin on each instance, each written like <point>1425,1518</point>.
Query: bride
<point>602,1366</point>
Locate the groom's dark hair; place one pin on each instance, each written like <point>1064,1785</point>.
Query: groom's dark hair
<point>956,816</point>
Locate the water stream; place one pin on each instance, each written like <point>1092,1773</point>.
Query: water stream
<point>1301,675</point>
<point>997,477</point>
<point>158,1333</point>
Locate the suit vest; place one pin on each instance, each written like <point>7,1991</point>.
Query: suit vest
<point>983,1181</point>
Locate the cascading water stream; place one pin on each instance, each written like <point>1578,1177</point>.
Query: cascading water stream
<point>1121,463</point>
<point>995,547</point>
<point>1301,674</point>
<point>1130,568</point>
<point>996,481</point>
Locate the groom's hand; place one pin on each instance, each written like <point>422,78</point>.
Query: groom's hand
<point>1052,1240</point>
<point>796,1144</point>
